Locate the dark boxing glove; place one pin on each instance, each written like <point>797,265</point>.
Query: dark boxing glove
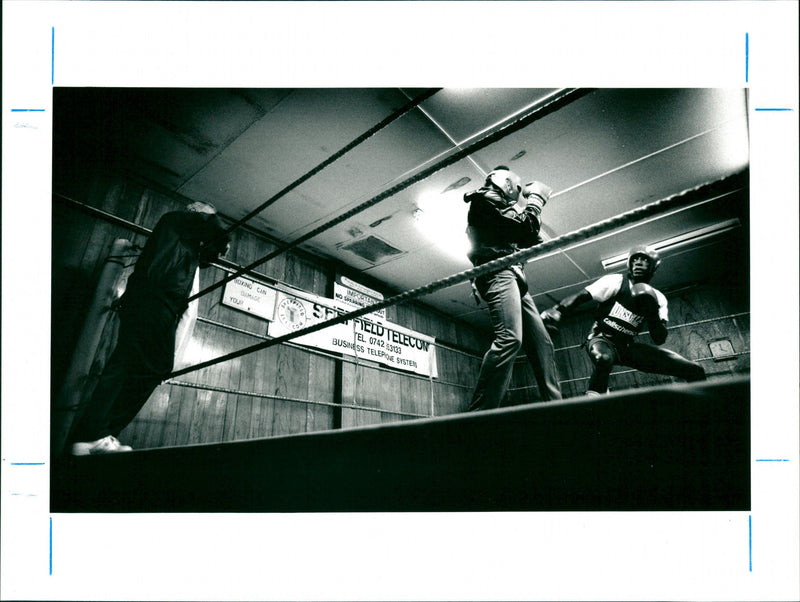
<point>645,298</point>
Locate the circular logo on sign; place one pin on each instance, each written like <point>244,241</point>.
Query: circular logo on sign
<point>292,313</point>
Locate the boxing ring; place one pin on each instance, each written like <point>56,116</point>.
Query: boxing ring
<point>671,447</point>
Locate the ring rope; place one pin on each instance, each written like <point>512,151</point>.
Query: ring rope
<point>684,197</point>
<point>345,149</point>
<point>217,389</point>
<point>674,327</point>
<point>630,371</point>
<point>540,110</point>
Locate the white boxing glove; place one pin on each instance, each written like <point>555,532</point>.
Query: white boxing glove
<point>551,318</point>
<point>537,195</point>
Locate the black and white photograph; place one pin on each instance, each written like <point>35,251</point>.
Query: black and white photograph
<point>527,386</point>
<point>400,301</point>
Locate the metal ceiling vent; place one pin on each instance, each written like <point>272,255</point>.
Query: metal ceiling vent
<point>372,249</point>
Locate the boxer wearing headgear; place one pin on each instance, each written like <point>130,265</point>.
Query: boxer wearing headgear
<point>505,216</point>
<point>626,304</point>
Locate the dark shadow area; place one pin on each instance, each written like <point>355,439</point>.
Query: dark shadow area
<point>669,448</point>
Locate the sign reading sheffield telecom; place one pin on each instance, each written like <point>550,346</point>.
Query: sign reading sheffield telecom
<point>366,337</point>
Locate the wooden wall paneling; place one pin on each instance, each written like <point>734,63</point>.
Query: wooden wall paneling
<point>322,282</point>
<point>233,381</point>
<point>299,272</point>
<point>247,406</point>
<point>367,394</point>
<point>461,399</point>
<point>456,399</point>
<point>357,399</point>
<point>359,389</point>
<point>258,248</point>
<point>412,317</point>
<point>137,431</point>
<point>155,422</point>
<point>203,414</point>
<point>218,376</point>
<point>198,351</point>
<point>445,402</point>
<point>133,198</point>
<point>199,400</point>
<point>261,408</point>
<point>232,400</point>
<point>185,415</point>
<point>571,359</point>
<point>400,313</point>
<point>364,394</point>
<point>450,330</point>
<point>524,388</point>
<point>473,339</point>
<point>291,381</point>
<point>237,241</point>
<point>214,427</point>
<point>425,322</point>
<point>387,395</point>
<point>415,396</point>
<point>320,388</point>
<point>148,212</point>
<point>570,336</point>
<point>435,326</point>
<point>210,303</point>
<point>267,383</point>
<point>243,415</point>
<point>468,370</point>
<point>443,399</point>
<point>445,363</point>
<point>349,375</point>
<point>200,412</point>
<point>133,433</point>
<point>172,418</point>
<point>424,393</point>
<point>360,395</point>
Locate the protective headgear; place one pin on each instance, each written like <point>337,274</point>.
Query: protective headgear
<point>643,251</point>
<point>506,181</point>
<point>201,207</point>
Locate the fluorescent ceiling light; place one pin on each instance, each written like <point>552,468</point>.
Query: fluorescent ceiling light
<point>677,242</point>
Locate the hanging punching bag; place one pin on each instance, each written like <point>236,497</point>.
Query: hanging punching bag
<point>71,396</point>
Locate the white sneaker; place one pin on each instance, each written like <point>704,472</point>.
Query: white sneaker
<point>106,445</point>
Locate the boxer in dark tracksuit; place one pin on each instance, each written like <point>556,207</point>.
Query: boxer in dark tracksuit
<point>155,298</point>
<point>626,303</point>
<point>503,217</point>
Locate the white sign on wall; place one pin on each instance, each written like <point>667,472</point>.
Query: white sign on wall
<point>251,297</point>
<point>366,337</point>
<point>356,298</point>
